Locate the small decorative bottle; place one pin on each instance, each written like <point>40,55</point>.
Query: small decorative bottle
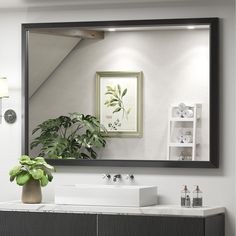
<point>184,193</point>
<point>197,197</point>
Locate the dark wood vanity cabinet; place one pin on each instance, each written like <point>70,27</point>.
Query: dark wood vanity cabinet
<point>120,225</point>
<point>73,224</point>
<point>47,224</point>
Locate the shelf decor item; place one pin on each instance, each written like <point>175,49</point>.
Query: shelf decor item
<point>32,174</point>
<point>179,116</point>
<point>119,102</point>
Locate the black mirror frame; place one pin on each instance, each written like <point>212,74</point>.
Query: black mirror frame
<point>214,93</point>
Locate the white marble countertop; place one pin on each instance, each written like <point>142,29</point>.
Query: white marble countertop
<point>162,210</point>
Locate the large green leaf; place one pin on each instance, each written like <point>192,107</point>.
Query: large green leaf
<point>49,167</point>
<point>39,159</point>
<point>39,162</point>
<point>26,160</point>
<point>55,146</point>
<point>16,170</point>
<point>36,173</point>
<point>43,181</point>
<point>12,178</point>
<point>22,178</point>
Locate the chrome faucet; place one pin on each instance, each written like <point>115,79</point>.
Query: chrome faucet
<point>130,176</point>
<point>106,176</point>
<point>116,177</point>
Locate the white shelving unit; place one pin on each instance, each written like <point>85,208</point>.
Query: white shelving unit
<point>173,120</point>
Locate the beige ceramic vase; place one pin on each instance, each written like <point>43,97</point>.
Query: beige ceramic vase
<point>31,192</point>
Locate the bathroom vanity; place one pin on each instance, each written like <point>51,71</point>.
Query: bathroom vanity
<point>71,220</point>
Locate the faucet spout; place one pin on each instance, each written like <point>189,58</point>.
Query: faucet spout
<point>116,177</point>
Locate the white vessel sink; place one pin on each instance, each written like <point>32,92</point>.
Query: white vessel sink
<point>106,195</point>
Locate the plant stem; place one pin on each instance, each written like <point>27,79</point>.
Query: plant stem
<point>72,135</point>
<point>61,131</point>
<point>65,133</point>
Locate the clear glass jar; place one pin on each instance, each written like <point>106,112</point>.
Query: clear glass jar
<point>197,197</point>
<point>184,193</point>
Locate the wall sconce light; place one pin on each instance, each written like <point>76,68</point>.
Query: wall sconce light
<point>9,115</point>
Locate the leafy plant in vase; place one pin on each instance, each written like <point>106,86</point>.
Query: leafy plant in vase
<point>32,174</point>
<point>75,136</point>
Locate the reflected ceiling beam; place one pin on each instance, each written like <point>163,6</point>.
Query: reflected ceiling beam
<point>45,53</point>
<point>72,32</point>
<point>55,69</point>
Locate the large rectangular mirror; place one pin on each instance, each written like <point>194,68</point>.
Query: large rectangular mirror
<point>122,93</point>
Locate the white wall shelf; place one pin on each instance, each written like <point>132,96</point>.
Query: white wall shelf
<point>180,144</point>
<point>173,120</point>
<point>182,119</point>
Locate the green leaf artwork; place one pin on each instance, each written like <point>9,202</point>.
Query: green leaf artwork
<point>115,100</point>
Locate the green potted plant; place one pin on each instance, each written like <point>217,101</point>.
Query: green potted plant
<point>32,173</point>
<point>76,136</point>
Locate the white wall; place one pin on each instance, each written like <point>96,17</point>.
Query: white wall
<point>50,51</point>
<point>171,75</point>
<point>218,184</point>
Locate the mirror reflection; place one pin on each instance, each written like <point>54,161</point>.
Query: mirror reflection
<point>145,89</point>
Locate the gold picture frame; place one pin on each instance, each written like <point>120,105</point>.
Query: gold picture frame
<point>119,102</point>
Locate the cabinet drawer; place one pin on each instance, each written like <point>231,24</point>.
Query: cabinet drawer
<point>117,225</point>
<point>46,224</point>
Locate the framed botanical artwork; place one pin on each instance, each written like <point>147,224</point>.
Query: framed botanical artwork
<point>119,102</point>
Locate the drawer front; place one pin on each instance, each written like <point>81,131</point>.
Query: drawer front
<point>120,225</point>
<point>46,224</point>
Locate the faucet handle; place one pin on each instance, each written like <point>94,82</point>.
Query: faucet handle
<point>106,176</point>
<point>130,176</point>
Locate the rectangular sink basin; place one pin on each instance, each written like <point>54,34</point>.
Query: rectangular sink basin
<point>106,195</point>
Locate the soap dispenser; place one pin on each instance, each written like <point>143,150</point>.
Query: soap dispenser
<point>197,197</point>
<point>184,193</point>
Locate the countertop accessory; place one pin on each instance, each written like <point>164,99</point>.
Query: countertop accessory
<point>197,197</point>
<point>184,193</point>
<point>187,201</point>
<point>32,173</point>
